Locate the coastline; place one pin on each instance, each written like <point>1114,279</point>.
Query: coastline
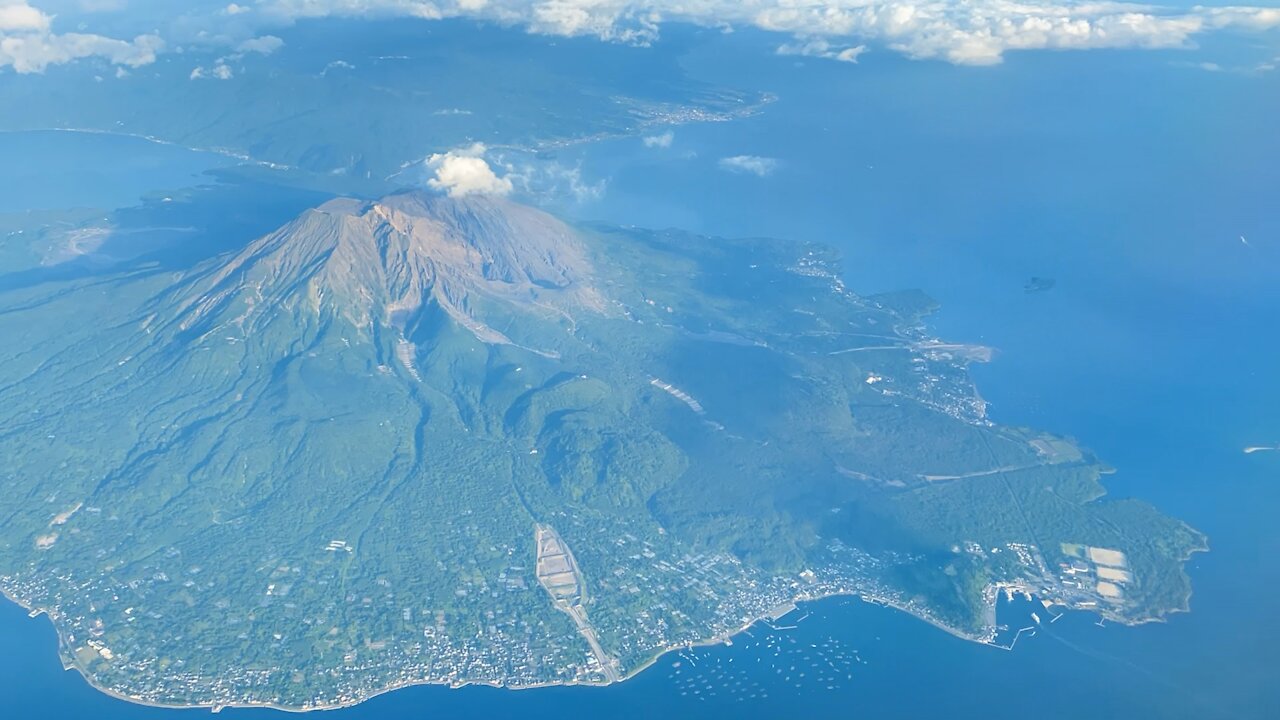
<point>723,638</point>
<point>726,637</point>
<point>220,152</point>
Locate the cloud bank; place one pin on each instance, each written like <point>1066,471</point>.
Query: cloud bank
<point>968,32</point>
<point>28,43</point>
<point>973,32</point>
<point>465,172</point>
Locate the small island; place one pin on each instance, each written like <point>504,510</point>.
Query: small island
<point>459,441</point>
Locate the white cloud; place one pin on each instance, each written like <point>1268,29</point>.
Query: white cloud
<point>368,8</point>
<point>976,32</point>
<point>750,164</point>
<point>554,180</point>
<point>221,71</point>
<point>972,32</point>
<point>660,141</point>
<point>822,49</point>
<point>1241,17</point>
<point>1255,68</point>
<point>336,65</point>
<point>29,45</point>
<point>464,171</point>
<point>264,45</point>
<point>18,16</point>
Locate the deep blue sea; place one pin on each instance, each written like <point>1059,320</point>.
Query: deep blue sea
<point>1128,180</point>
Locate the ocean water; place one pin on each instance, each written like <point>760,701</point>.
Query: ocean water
<point>1125,178</point>
<point>1148,192</point>
<point>60,169</point>
<point>843,659</point>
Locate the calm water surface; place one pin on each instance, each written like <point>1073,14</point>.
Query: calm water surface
<point>49,170</point>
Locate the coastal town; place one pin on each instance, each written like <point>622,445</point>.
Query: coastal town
<point>425,646</point>
<point>687,600</point>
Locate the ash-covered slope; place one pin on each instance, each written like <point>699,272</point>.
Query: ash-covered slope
<point>457,440</point>
<point>386,262</point>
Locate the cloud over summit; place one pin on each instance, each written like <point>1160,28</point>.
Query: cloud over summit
<point>464,171</point>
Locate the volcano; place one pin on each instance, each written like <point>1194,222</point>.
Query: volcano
<point>457,440</point>
<point>390,264</point>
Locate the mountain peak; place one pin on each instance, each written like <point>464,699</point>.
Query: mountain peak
<point>486,241</point>
<point>386,261</point>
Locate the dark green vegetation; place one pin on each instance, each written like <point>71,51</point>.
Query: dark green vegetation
<point>355,111</point>
<point>310,468</point>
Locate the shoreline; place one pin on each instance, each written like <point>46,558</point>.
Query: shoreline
<point>226,153</point>
<point>722,639</point>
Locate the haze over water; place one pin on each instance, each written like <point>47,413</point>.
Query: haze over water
<point>1154,348</point>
